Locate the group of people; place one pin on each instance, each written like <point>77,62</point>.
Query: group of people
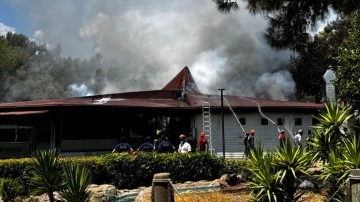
<point>163,145</point>
<point>297,139</point>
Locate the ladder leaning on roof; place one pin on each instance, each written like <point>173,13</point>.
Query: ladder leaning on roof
<point>207,124</point>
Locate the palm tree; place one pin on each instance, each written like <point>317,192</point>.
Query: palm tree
<point>77,179</point>
<point>47,174</point>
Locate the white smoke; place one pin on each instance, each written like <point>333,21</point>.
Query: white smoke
<point>80,90</point>
<point>4,29</point>
<point>149,42</point>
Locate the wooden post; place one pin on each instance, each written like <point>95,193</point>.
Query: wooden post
<point>355,185</point>
<point>162,190</point>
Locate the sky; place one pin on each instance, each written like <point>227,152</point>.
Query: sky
<point>151,41</point>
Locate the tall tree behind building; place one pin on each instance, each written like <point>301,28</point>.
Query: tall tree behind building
<point>31,72</point>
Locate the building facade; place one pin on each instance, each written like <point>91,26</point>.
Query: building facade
<point>92,125</point>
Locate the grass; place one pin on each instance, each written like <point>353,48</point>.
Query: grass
<point>219,196</point>
<point>233,196</point>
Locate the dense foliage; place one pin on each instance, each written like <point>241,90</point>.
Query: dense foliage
<point>26,67</point>
<point>46,170</point>
<point>277,175</point>
<point>348,65</point>
<point>292,25</point>
<point>290,21</point>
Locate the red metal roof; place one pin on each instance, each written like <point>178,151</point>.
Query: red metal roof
<point>246,102</point>
<point>182,81</point>
<point>161,99</point>
<point>17,113</point>
<point>180,92</point>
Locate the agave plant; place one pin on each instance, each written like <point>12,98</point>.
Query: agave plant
<point>47,174</point>
<point>341,161</point>
<point>321,147</point>
<point>332,118</point>
<point>327,132</point>
<point>77,180</point>
<point>275,176</point>
<point>293,163</point>
<point>264,183</point>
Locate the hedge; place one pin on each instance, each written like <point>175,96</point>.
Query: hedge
<point>134,170</point>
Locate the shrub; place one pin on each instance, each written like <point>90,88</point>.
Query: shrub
<point>10,189</point>
<point>77,180</point>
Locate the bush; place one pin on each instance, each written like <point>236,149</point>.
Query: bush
<point>234,166</point>
<point>125,170</point>
<point>10,189</point>
<point>131,171</point>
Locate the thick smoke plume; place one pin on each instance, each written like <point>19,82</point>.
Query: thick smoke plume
<point>146,43</point>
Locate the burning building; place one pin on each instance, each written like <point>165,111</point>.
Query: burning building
<point>91,125</point>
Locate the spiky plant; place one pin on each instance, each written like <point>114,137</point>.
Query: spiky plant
<point>293,163</point>
<point>47,174</point>
<point>264,183</point>
<point>331,119</point>
<point>337,170</point>
<point>320,146</point>
<point>327,132</point>
<point>77,180</point>
<point>275,176</point>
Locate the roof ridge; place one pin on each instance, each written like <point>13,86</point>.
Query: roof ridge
<point>182,81</point>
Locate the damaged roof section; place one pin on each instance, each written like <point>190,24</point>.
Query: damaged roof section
<point>183,81</point>
<point>181,92</point>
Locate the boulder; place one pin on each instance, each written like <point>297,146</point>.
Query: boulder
<point>102,193</point>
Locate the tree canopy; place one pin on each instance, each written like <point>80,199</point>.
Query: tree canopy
<point>348,65</point>
<point>29,71</point>
<point>310,64</point>
<point>289,21</point>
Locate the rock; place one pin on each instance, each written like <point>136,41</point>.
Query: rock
<point>228,180</point>
<point>307,184</point>
<point>231,182</point>
<point>144,195</point>
<point>102,193</point>
<point>45,197</point>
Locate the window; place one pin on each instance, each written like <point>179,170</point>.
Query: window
<point>264,122</point>
<point>298,121</point>
<point>242,121</point>
<point>280,122</point>
<point>314,121</point>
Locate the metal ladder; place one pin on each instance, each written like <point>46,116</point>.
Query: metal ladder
<point>207,124</point>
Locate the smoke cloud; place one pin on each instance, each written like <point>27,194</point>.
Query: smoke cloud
<point>5,29</point>
<point>146,43</point>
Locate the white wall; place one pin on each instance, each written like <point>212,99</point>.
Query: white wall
<point>234,134</point>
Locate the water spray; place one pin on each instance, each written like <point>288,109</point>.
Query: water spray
<point>227,103</point>
<point>289,125</point>
<point>259,108</point>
